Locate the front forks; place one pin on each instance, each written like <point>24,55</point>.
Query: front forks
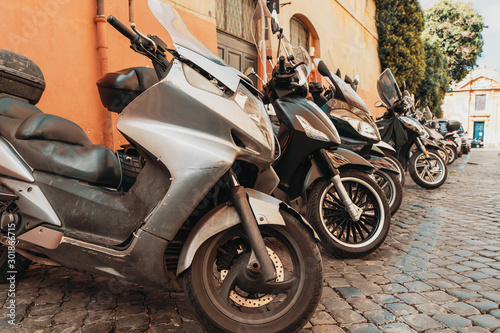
<point>353,210</point>
<point>259,259</point>
<point>421,146</point>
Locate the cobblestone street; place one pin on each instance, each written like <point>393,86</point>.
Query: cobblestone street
<point>438,271</point>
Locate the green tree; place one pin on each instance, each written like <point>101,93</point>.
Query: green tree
<point>459,28</point>
<point>437,81</point>
<point>400,24</point>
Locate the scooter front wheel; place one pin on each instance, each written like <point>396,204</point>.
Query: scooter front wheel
<point>340,235</point>
<point>428,172</point>
<point>226,296</point>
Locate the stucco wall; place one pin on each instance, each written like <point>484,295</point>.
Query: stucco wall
<point>60,36</point>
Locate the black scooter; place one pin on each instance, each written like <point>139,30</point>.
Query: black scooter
<point>357,130</point>
<point>426,167</point>
<point>331,185</point>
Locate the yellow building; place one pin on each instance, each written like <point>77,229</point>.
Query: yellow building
<point>74,46</point>
<point>475,101</point>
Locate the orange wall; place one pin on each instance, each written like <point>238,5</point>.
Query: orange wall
<point>60,37</point>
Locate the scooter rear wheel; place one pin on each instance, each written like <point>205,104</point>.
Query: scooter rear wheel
<point>340,235</point>
<point>392,188</point>
<point>223,304</point>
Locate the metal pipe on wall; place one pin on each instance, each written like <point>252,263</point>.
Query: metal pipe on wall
<point>102,50</point>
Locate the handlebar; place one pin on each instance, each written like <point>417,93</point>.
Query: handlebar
<point>122,28</point>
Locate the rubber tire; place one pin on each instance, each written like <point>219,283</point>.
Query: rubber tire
<point>293,319</point>
<point>395,188</point>
<point>416,178</point>
<point>444,152</point>
<point>452,153</point>
<point>402,172</point>
<point>331,244</point>
<point>21,264</point>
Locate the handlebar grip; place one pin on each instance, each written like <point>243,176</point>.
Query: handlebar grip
<point>122,28</point>
<point>281,64</point>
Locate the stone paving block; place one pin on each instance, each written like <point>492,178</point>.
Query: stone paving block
<point>347,292</point>
<point>491,295</point>
<point>477,286</point>
<point>459,268</point>
<point>474,264</point>
<point>384,298</point>
<point>379,317</point>
<point>482,304</point>
<point>489,271</point>
<point>421,322</point>
<point>397,328</point>
<point>495,265</point>
<point>486,321</point>
<point>476,275</point>
<point>462,309</point>
<point>430,309</point>
<point>417,286</point>
<point>495,313</point>
<point>463,253</point>
<point>473,329</point>
<point>439,296</point>
<point>363,328</point>
<point>412,298</point>
<point>337,282</point>
<point>400,278</point>
<point>346,317</point>
<point>335,304</point>
<point>453,320</point>
<point>401,309</point>
<point>394,288</point>
<point>481,259</point>
<point>492,282</point>
<point>329,293</point>
<point>322,318</point>
<point>460,279</point>
<point>327,329</point>
<point>443,283</point>
<point>463,294</point>
<point>363,304</point>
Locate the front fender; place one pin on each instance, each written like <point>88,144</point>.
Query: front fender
<point>380,163</point>
<point>265,208</point>
<point>428,142</point>
<point>341,157</point>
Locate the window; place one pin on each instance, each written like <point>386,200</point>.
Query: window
<point>235,17</point>
<point>480,103</point>
<point>299,34</point>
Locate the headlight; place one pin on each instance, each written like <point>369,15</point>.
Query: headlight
<point>362,127</point>
<point>256,111</point>
<point>311,131</point>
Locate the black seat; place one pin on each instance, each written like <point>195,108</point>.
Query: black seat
<point>54,144</point>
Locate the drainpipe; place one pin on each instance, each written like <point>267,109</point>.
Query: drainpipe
<point>102,49</point>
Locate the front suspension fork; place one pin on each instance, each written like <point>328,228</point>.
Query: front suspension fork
<point>263,261</point>
<point>421,146</point>
<point>353,210</point>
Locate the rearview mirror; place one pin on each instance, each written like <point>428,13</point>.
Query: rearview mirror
<point>249,71</point>
<point>275,25</point>
<point>348,80</point>
<point>379,104</point>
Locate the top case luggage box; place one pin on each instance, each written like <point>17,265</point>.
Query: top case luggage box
<point>20,77</point>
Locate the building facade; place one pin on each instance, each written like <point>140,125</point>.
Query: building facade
<point>475,101</point>
<point>74,47</point>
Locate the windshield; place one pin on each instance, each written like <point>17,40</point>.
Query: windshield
<point>190,47</point>
<point>267,45</point>
<point>387,88</point>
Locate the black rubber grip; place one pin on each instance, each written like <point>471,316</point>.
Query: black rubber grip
<point>122,28</point>
<point>281,64</point>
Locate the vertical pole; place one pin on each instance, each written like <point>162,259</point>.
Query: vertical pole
<point>102,50</point>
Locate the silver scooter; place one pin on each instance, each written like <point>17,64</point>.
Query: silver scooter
<point>197,208</point>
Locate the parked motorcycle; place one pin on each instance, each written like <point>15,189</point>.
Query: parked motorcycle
<point>426,167</point>
<point>202,134</point>
<point>357,130</point>
<point>332,186</point>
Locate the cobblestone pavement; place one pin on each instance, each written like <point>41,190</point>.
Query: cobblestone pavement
<point>438,271</point>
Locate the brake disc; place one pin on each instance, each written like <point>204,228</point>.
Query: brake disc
<point>260,299</point>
